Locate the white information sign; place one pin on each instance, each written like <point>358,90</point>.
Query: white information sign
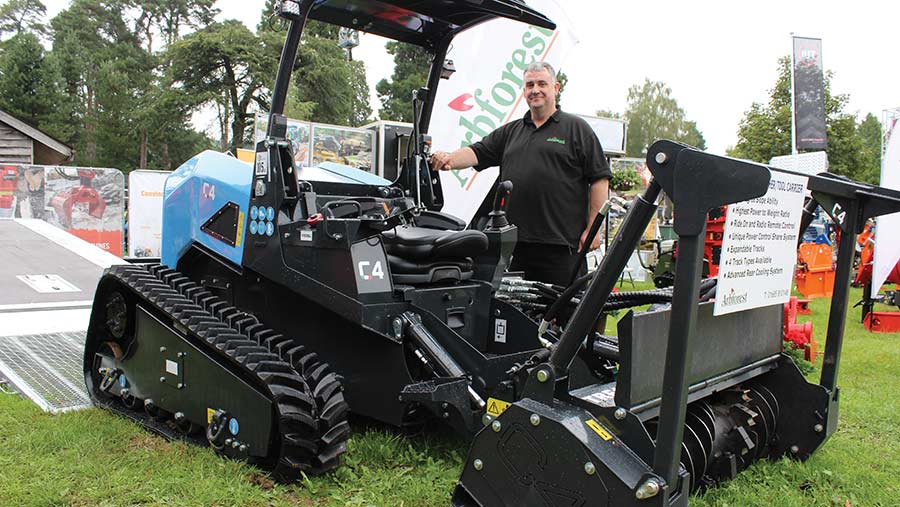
<point>760,247</point>
<point>145,204</point>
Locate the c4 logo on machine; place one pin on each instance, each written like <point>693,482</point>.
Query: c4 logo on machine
<point>496,407</point>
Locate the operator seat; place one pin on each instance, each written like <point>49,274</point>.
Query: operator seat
<point>419,255</point>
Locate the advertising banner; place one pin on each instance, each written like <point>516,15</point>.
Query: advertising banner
<point>759,247</point>
<point>87,202</point>
<point>486,92</point>
<point>145,204</point>
<point>887,241</point>
<point>809,94</point>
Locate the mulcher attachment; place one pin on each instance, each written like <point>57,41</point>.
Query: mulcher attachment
<point>696,400</point>
<point>166,353</point>
<point>540,454</point>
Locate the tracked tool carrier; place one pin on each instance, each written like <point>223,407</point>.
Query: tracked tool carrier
<point>287,297</point>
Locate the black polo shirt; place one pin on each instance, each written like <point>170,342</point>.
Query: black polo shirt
<point>551,168</point>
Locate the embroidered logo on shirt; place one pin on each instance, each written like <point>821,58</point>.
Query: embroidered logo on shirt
<point>556,140</point>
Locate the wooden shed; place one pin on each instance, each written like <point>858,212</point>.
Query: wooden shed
<point>21,143</point>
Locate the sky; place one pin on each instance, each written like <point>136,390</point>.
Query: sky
<point>718,57</point>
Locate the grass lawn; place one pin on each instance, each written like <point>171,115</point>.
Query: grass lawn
<point>95,458</point>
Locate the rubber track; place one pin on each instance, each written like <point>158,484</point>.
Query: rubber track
<point>307,397</point>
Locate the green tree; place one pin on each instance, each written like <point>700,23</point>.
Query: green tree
<point>227,65</point>
<point>652,113</point>
<point>26,85</point>
<point>169,18</point>
<point>326,86</point>
<point>19,16</point>
<point>765,130</point>
<point>563,80</point>
<point>608,113</point>
<point>103,69</point>
<point>164,110</point>
<point>325,77</point>
<point>411,65</point>
<point>870,133</point>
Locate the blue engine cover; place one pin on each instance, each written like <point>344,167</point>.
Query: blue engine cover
<point>194,192</point>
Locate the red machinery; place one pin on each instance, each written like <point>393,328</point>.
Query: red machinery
<point>64,201</point>
<point>712,246</point>
<point>883,322</point>
<point>9,177</point>
<point>799,335</point>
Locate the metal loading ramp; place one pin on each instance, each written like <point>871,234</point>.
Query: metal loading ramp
<point>46,368</point>
<point>47,282</point>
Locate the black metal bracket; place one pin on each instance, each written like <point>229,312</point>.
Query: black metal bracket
<point>696,182</point>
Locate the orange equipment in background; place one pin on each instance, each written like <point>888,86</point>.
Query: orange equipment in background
<point>815,270</point>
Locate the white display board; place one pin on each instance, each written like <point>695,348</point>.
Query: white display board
<point>486,92</point>
<point>810,163</point>
<point>759,247</point>
<point>145,204</point>
<point>610,132</point>
<point>887,241</point>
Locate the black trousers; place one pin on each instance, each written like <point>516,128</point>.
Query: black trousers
<point>546,263</point>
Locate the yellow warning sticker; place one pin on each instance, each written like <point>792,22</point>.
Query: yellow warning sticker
<point>240,235</point>
<point>594,425</point>
<point>209,414</point>
<point>496,407</point>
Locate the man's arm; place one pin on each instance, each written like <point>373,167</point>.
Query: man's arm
<point>459,159</point>
<point>599,193</point>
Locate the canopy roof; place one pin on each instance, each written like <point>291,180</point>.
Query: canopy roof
<point>421,22</point>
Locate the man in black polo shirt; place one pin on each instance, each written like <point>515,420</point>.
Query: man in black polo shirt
<point>559,173</point>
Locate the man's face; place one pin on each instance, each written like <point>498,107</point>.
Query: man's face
<point>540,90</point>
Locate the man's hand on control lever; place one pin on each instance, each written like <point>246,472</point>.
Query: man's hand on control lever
<point>459,159</point>
<point>440,161</point>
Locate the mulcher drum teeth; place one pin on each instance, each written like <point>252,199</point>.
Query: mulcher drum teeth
<point>311,414</point>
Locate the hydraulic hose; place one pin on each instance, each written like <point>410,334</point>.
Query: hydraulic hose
<point>598,291</point>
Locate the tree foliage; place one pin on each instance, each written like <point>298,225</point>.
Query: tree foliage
<point>652,113</point>
<point>870,133</point>
<point>20,16</point>
<point>411,66</point>
<point>26,82</point>
<point>102,68</point>
<point>225,63</point>
<point>326,78</point>
<point>563,80</point>
<point>765,130</point>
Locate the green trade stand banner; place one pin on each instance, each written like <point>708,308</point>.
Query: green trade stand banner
<point>485,92</point>
<point>809,94</point>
